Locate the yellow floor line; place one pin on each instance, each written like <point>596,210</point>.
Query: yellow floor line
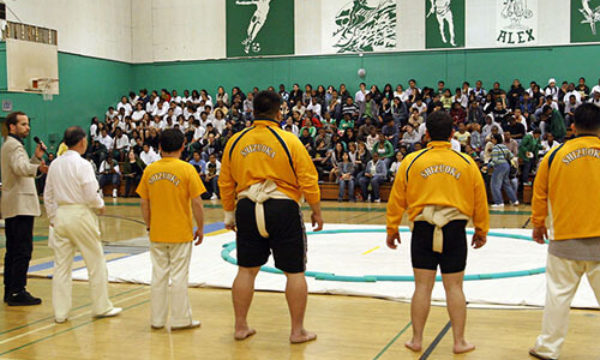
<point>370,251</point>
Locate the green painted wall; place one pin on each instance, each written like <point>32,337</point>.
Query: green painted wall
<point>504,65</point>
<point>87,87</point>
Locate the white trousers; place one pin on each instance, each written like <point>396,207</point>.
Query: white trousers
<point>76,227</point>
<point>170,262</point>
<point>562,279</point>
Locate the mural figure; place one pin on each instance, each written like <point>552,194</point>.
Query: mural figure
<point>443,13</point>
<point>257,21</point>
<point>365,26</point>
<point>590,16</point>
<point>516,11</point>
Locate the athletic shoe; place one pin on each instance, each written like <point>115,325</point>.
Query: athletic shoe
<point>214,197</point>
<point>497,206</point>
<point>377,201</point>
<point>114,193</point>
<point>157,327</point>
<point>192,325</point>
<point>22,298</point>
<point>110,313</point>
<point>516,203</point>
<point>60,321</point>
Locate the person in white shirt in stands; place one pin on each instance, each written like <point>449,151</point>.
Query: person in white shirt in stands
<point>412,90</point>
<point>219,121</point>
<point>106,140</point>
<point>125,105</point>
<point>139,112</point>
<point>595,98</point>
<point>395,166</point>
<point>177,110</point>
<point>111,113</point>
<point>489,125</point>
<point>110,174</point>
<point>133,99</point>
<point>420,106</point>
<point>548,144</point>
<point>460,97</point>
<point>552,90</point>
<point>520,118</point>
<point>71,196</point>
<point>361,94</point>
<point>121,144</point>
<point>315,107</point>
<point>175,98</point>
<point>162,108</point>
<point>151,106</point>
<point>596,89</point>
<point>148,155</point>
<point>211,175</point>
<point>170,115</point>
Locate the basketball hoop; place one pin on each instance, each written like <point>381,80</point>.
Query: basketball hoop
<point>43,86</point>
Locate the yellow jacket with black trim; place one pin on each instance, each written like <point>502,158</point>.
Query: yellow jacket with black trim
<point>565,190</point>
<point>266,152</point>
<point>438,175</point>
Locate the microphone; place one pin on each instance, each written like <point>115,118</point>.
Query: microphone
<point>39,142</point>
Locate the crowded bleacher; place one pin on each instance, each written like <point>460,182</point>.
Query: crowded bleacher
<point>356,140</point>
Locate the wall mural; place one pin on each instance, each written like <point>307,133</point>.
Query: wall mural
<point>445,23</point>
<point>516,22</point>
<point>585,19</point>
<point>365,26</point>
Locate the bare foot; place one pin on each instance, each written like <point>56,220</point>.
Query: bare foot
<point>244,333</point>
<point>303,337</point>
<point>463,347</point>
<point>413,345</point>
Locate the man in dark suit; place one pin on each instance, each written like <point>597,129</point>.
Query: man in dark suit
<point>20,204</point>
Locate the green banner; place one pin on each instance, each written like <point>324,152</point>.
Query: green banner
<point>445,24</point>
<point>260,27</point>
<point>585,21</point>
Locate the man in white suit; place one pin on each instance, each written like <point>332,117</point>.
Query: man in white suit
<point>20,204</point>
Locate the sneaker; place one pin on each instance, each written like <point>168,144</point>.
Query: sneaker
<point>496,206</point>
<point>157,327</point>
<point>516,203</point>
<point>192,325</point>
<point>22,298</point>
<point>110,313</point>
<point>60,321</point>
<point>214,197</point>
<point>114,193</point>
<point>377,201</point>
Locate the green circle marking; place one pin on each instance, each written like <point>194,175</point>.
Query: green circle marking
<point>318,275</point>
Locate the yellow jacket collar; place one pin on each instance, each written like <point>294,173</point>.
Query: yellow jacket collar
<point>266,122</point>
<point>439,144</point>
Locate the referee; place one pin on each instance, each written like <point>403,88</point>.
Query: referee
<point>269,171</point>
<point>441,189</point>
<point>571,212</point>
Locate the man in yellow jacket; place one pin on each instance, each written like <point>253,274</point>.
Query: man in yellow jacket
<point>269,171</point>
<point>440,189</point>
<point>567,215</point>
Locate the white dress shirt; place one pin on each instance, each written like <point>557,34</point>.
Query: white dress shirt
<point>71,180</point>
<point>149,157</point>
<point>106,141</point>
<point>122,143</point>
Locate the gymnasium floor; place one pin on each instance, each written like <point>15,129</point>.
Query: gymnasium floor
<point>348,327</point>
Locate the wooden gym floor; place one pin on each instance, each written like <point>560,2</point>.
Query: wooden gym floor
<point>348,327</point>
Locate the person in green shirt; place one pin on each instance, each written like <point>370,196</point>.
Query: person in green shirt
<point>345,123</point>
<point>384,149</point>
<point>528,153</point>
<point>555,123</point>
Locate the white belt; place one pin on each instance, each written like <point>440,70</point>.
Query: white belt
<point>439,216</point>
<point>259,193</point>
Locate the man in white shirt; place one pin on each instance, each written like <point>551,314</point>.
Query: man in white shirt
<point>548,144</point>
<point>489,124</point>
<point>125,105</point>
<point>174,97</point>
<point>595,98</point>
<point>111,114</point>
<point>596,88</point>
<point>110,174</point>
<point>162,108</point>
<point>106,140</point>
<point>571,91</point>
<point>70,195</point>
<point>139,112</point>
<point>461,98</point>
<point>315,107</point>
<point>148,156</point>
<point>551,89</point>
<point>121,144</point>
<point>211,176</point>
<point>361,94</point>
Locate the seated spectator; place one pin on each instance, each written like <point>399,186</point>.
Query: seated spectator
<point>110,174</point>
<point>350,108</point>
<point>211,146</point>
<point>148,155</point>
<point>121,145</point>
<point>97,152</point>
<point>345,123</point>
<point>307,139</point>
<point>375,174</point>
<point>458,113</point>
<point>335,158</point>
<point>570,106</point>
<point>365,129</point>
<point>395,166</point>
<point>516,129</point>
<point>511,144</point>
<point>399,111</point>
<point>211,173</point>
<point>198,164</point>
<point>390,131</point>
<point>133,169</point>
<point>477,139</point>
<point>410,137</point>
<point>552,121</point>
<point>384,149</point>
<point>345,175</point>
<point>368,107</point>
<point>548,144</point>
<point>528,153</point>
<point>447,99</point>
<point>462,135</point>
<point>415,120</point>
<point>363,156</point>
<point>475,114</point>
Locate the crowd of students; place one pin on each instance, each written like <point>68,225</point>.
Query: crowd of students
<point>353,139</point>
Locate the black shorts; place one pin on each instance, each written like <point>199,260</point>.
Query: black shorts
<point>287,237</point>
<point>453,258</point>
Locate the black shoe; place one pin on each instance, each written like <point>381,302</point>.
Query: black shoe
<point>23,298</point>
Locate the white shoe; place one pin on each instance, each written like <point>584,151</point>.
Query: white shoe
<point>114,193</point>
<point>497,206</point>
<point>110,313</point>
<point>60,321</point>
<point>377,201</point>
<point>214,197</point>
<point>192,325</point>
<point>516,203</point>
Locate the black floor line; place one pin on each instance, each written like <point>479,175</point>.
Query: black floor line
<point>435,342</point>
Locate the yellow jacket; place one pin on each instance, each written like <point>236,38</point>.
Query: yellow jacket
<point>561,190</point>
<point>440,176</point>
<point>266,152</point>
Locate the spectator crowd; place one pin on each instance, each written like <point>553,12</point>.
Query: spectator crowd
<point>356,140</point>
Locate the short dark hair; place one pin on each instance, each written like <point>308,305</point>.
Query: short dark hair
<point>11,119</point>
<point>73,136</point>
<point>266,104</point>
<point>587,117</point>
<point>439,125</point>
<point>171,140</point>
<point>498,138</point>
